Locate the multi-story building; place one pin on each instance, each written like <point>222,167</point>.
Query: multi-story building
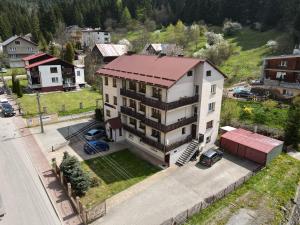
<point>47,73</point>
<point>91,37</point>
<point>162,104</point>
<point>163,48</point>
<point>16,48</point>
<point>282,74</point>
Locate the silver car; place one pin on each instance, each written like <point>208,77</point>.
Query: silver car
<point>95,134</point>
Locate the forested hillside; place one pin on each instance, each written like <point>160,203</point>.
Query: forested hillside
<point>41,17</point>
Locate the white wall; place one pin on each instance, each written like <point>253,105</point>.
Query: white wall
<point>92,38</point>
<point>46,76</point>
<point>79,75</point>
<point>112,91</point>
<point>174,115</point>
<point>176,153</point>
<point>176,135</point>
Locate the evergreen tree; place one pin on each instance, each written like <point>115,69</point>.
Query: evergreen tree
<point>18,88</point>
<point>69,54</point>
<point>126,17</point>
<point>35,28</point>
<point>13,82</point>
<point>292,129</point>
<point>53,50</point>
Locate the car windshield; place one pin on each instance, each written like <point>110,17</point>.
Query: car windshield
<point>6,105</point>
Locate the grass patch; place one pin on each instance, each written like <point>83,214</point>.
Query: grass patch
<point>266,192</point>
<point>15,71</point>
<point>54,102</point>
<point>23,83</point>
<point>112,182</point>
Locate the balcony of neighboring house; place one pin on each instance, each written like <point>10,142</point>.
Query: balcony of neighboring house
<point>154,142</point>
<point>156,100</point>
<point>157,124</point>
<point>282,81</point>
<point>69,81</point>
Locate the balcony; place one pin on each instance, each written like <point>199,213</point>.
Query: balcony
<point>159,104</point>
<point>156,125</point>
<point>279,83</point>
<point>161,147</point>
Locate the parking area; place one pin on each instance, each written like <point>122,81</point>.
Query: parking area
<point>173,191</point>
<point>54,144</point>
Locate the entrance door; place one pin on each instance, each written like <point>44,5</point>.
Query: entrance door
<point>194,131</point>
<point>110,133</point>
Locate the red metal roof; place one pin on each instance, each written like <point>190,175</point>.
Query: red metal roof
<point>33,56</point>
<point>40,63</point>
<point>252,140</point>
<point>115,123</point>
<point>164,71</point>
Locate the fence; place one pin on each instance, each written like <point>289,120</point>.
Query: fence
<point>182,217</point>
<point>87,215</point>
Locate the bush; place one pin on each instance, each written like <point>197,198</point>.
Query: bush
<point>272,45</point>
<point>259,116</point>
<point>95,182</point>
<point>213,38</point>
<point>98,115</point>
<point>269,104</point>
<point>230,110</point>
<point>231,28</point>
<point>246,113</point>
<point>18,88</point>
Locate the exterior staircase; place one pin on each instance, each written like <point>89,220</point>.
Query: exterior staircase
<point>188,153</point>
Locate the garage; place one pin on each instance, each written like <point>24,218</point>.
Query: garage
<point>252,146</point>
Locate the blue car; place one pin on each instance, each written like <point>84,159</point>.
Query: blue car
<point>93,147</point>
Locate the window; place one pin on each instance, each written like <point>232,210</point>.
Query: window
<point>283,63</point>
<point>53,69</point>
<point>208,73</point>
<point>106,98</point>
<point>108,113</point>
<point>13,49</point>
<point>155,113</point>
<point>106,81</point>
<point>30,49</point>
<point>54,79</point>
<point>209,124</point>
<point>195,111</point>
<point>132,86</point>
<point>208,139</point>
<point>120,132</point>
<point>142,107</point>
<point>114,82</point>
<point>124,102</point>
<point>132,121</point>
<point>197,89</point>
<point>183,130</point>
<point>156,93</point>
<point>78,73</point>
<point>115,100</point>
<point>142,88</point>
<point>280,75</point>
<point>142,126</point>
<point>155,133</point>
<point>17,42</point>
<point>132,104</point>
<point>213,89</point>
<point>106,39</point>
<point>190,73</point>
<point>211,107</point>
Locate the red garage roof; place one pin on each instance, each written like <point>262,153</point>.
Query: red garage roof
<point>164,71</point>
<point>34,56</point>
<point>40,63</point>
<point>252,140</point>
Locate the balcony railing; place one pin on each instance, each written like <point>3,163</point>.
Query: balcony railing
<point>155,144</point>
<point>156,125</point>
<point>159,104</point>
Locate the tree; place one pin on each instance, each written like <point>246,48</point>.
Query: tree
<point>18,88</point>
<point>69,54</point>
<point>53,50</point>
<point>230,111</point>
<point>292,129</point>
<point>35,28</point>
<point>13,82</point>
<point>231,28</point>
<point>126,17</point>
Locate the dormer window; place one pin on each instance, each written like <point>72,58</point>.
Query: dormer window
<point>208,73</point>
<point>190,73</point>
<point>17,43</point>
<point>283,63</point>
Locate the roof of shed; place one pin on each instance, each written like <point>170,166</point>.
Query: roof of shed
<point>252,140</point>
<point>112,50</point>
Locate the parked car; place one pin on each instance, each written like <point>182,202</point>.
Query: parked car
<point>4,100</point>
<point>256,82</point>
<point>3,70</point>
<point>7,110</point>
<point>92,147</point>
<point>2,91</point>
<point>243,94</point>
<point>95,134</point>
<point>210,157</point>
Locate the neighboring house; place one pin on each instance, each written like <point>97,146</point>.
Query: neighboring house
<point>47,73</point>
<point>163,103</point>
<point>16,48</point>
<point>87,37</point>
<point>166,49</point>
<point>282,74</point>
<point>105,53</point>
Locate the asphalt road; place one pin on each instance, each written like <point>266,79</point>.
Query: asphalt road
<point>24,198</point>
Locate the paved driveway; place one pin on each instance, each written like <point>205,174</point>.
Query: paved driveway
<point>172,191</point>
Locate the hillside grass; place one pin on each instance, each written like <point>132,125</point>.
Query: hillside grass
<point>54,102</point>
<point>266,193</point>
<point>14,71</point>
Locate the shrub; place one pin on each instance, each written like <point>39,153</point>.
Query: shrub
<point>18,88</point>
<point>98,115</point>
<point>231,28</point>
<point>95,182</point>
<point>269,104</point>
<point>230,111</point>
<point>213,38</point>
<point>259,116</point>
<point>246,113</point>
<point>272,45</point>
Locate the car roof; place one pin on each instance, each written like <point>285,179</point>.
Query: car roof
<point>3,100</point>
<point>209,153</point>
<point>92,131</point>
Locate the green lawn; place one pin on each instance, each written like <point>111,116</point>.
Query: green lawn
<point>265,193</point>
<point>112,180</point>
<point>23,83</point>
<point>16,71</point>
<point>54,102</point>
<point>271,116</point>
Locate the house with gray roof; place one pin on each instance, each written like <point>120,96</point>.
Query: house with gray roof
<point>163,48</point>
<point>17,47</point>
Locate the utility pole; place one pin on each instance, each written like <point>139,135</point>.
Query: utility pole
<point>40,113</point>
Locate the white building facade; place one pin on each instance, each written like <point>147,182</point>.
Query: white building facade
<point>162,113</point>
<point>91,37</point>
